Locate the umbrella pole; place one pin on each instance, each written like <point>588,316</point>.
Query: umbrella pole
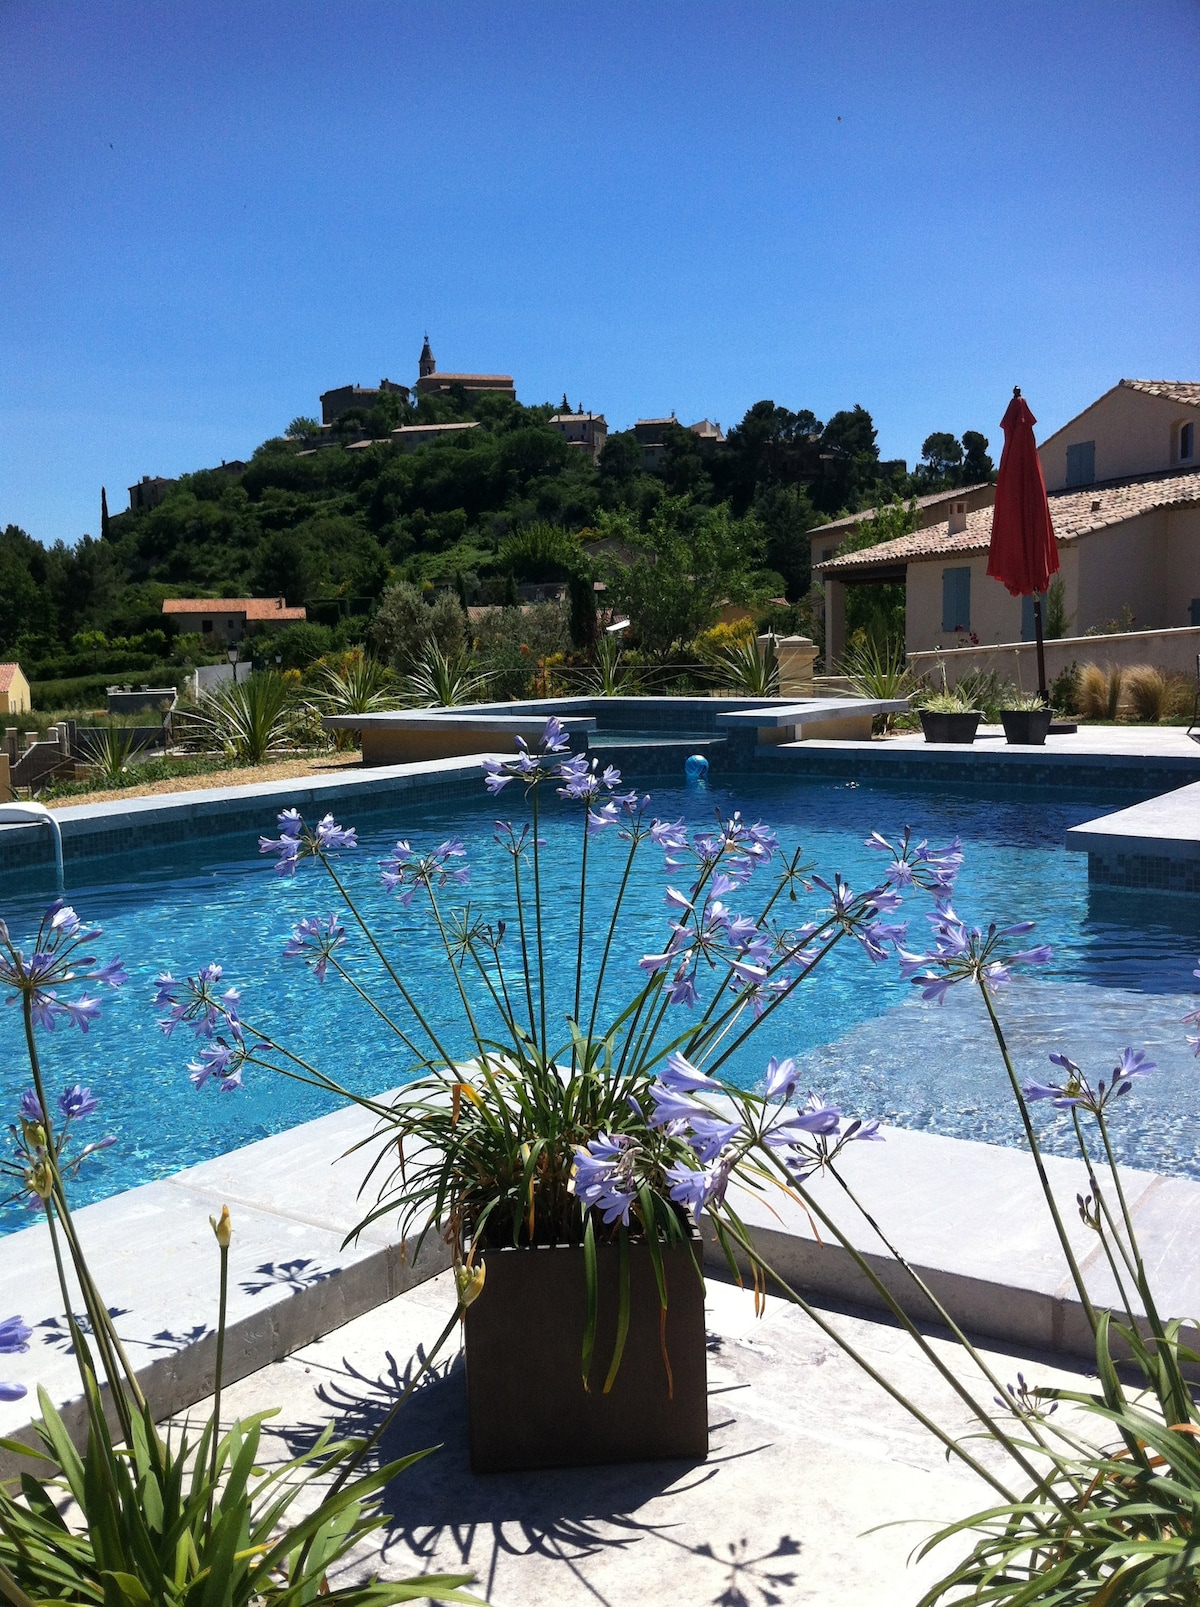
<point>1041,651</point>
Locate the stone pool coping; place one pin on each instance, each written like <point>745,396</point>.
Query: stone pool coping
<point>92,830</point>
<point>1100,760</point>
<point>1155,844</point>
<point>969,1217</point>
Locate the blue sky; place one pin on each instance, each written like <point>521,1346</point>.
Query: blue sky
<point>211,213</point>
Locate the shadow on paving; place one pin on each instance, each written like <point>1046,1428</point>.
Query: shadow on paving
<point>564,1515</point>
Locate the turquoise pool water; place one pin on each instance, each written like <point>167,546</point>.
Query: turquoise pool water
<point>1121,973</point>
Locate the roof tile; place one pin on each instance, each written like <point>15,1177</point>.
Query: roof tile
<point>1073,513</point>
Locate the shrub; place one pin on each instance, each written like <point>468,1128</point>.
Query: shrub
<point>544,628</point>
<point>712,643</point>
<point>300,645</point>
<point>1154,695</point>
<point>1064,690</point>
<point>1099,691</point>
<point>447,623</point>
<point>400,628</point>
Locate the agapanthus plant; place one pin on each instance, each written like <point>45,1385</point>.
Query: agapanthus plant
<point>615,1122</point>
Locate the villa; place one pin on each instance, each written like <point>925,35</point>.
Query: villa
<point>1124,484</point>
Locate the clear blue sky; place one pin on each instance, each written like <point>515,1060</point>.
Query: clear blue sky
<point>211,213</point>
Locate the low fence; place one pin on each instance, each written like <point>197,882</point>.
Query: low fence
<point>1171,650</point>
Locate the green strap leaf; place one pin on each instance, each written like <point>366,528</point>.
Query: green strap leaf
<point>593,1298</point>
<point>622,1311</point>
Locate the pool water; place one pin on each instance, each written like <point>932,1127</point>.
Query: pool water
<point>1122,972</point>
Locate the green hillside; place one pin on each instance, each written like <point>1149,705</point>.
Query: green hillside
<point>330,528</point>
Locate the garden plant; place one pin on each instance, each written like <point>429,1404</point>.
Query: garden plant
<point>617,1126</point>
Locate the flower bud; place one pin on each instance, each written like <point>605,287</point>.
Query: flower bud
<point>223,1228</point>
<point>468,1281</point>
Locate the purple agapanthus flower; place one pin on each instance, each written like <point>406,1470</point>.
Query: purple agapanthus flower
<point>29,1106</point>
<point>530,768</point>
<point>409,871</point>
<point>314,939</point>
<point>77,1102</point>
<point>56,961</point>
<point>681,1077</point>
<point>14,1340</point>
<point>196,1001</point>
<point>1076,1092</point>
<point>697,1188</point>
<point>605,1176</point>
<point>295,843</point>
<point>221,1060</point>
<point>781,1078</point>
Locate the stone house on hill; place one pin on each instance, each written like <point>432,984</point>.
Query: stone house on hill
<point>226,619</point>
<point>1123,479</point>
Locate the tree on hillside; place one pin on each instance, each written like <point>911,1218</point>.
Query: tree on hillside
<point>941,456</point>
<point>300,427</point>
<point>977,466</point>
<point>691,558</point>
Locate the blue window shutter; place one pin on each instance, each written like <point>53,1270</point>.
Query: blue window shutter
<point>956,599</point>
<point>1027,630</point>
<point>1081,463</point>
<point>1195,610</point>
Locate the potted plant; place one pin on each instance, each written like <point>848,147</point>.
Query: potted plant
<point>568,1141</point>
<point>948,716</point>
<point>1026,721</point>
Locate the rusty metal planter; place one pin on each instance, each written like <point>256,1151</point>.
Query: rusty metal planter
<point>526,1404</point>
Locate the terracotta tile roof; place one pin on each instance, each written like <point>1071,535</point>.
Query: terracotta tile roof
<point>252,607</point>
<point>1175,390</point>
<point>867,514</point>
<point>8,674</point>
<point>1073,513</point>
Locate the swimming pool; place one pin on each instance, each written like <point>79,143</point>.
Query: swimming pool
<point>1121,973</point>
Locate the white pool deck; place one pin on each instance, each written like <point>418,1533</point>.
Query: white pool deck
<point>969,1216</point>
<point>807,1454</point>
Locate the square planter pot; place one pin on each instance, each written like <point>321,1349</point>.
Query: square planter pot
<point>1026,727</point>
<point>950,727</point>
<point>526,1404</point>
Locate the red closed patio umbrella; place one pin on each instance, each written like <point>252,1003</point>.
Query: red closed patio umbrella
<point>1023,552</point>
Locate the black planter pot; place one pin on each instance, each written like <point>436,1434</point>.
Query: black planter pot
<point>950,727</point>
<point>526,1404</point>
<point>1026,728</point>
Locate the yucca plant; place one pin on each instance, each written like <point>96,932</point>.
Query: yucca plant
<point>109,751</point>
<point>358,685</point>
<point>878,670</point>
<point>246,719</point>
<point>609,676</point>
<point>749,666</point>
<point>445,680</point>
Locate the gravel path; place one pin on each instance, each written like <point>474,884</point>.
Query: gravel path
<point>234,776</point>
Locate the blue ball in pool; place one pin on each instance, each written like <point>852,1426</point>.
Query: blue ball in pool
<point>696,768</point>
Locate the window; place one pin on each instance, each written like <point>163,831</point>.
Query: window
<point>1081,463</point>
<point>1194,610</point>
<point>1027,628</point>
<point>956,599</point>
<point>206,624</point>
<point>1187,442</point>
